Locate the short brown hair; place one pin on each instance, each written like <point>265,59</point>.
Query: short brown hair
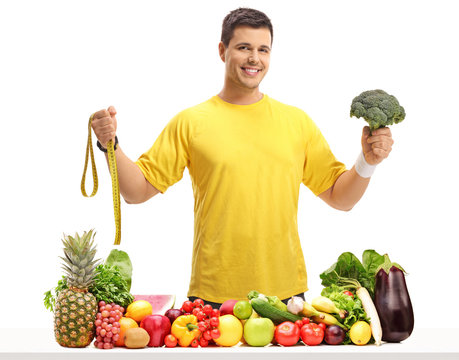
<point>244,16</point>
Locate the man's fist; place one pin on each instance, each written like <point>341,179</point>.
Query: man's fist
<point>104,125</point>
<point>377,146</point>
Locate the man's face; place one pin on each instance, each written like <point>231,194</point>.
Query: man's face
<point>247,56</point>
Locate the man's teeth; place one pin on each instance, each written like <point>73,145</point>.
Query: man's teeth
<point>251,70</point>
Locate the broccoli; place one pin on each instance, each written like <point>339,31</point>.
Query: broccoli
<point>378,108</point>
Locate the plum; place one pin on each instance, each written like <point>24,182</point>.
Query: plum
<point>173,314</point>
<point>334,335</point>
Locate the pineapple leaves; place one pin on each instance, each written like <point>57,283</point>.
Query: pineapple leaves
<point>109,282</point>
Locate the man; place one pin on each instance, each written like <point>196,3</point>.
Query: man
<point>247,155</point>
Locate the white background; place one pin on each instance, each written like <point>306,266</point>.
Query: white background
<point>61,61</point>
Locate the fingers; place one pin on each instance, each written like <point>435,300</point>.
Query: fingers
<point>380,142</point>
<point>111,110</point>
<point>101,114</point>
<point>380,139</point>
<point>382,131</point>
<point>104,125</point>
<point>381,153</point>
<point>382,148</point>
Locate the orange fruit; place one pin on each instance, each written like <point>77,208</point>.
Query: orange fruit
<point>139,309</point>
<point>125,323</point>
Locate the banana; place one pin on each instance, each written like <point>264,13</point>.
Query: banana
<point>328,319</point>
<point>324,304</point>
<point>309,310</point>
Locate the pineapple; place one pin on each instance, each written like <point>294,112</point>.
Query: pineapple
<point>76,308</point>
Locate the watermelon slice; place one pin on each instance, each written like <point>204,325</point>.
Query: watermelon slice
<point>159,303</point>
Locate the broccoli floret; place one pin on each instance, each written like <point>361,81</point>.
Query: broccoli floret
<point>378,108</point>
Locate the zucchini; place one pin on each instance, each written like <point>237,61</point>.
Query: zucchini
<point>265,309</point>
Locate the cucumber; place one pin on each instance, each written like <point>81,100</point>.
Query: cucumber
<point>265,309</point>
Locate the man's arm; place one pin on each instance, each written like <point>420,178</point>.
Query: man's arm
<point>134,187</point>
<point>349,188</point>
<point>346,191</point>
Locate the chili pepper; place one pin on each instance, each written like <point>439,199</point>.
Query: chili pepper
<point>185,329</point>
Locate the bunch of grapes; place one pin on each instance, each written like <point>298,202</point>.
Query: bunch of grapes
<point>107,325</point>
<point>208,321</point>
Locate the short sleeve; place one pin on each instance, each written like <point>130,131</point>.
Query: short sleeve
<point>321,169</point>
<point>163,164</point>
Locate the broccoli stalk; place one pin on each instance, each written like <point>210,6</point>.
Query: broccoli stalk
<point>378,108</point>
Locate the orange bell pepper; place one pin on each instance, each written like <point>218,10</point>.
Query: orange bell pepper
<point>185,329</point>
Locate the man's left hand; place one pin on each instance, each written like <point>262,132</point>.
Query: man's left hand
<point>377,146</point>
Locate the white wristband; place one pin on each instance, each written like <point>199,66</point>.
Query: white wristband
<point>364,169</point>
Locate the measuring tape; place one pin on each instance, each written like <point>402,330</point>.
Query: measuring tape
<point>113,173</point>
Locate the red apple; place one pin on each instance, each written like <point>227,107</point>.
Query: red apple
<point>157,326</point>
<point>227,307</point>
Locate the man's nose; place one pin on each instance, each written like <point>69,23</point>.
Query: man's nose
<point>253,58</point>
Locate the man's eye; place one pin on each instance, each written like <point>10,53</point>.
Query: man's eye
<point>243,47</point>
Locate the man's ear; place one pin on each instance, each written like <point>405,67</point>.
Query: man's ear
<point>221,51</point>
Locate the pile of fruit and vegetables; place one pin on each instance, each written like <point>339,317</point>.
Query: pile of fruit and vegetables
<point>362,302</point>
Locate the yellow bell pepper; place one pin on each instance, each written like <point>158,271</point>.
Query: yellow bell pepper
<point>185,329</point>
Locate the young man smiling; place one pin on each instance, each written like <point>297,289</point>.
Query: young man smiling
<point>247,155</point>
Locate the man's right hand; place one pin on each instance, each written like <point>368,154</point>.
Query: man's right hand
<point>104,125</point>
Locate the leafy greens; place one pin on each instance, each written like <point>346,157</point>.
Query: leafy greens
<point>121,259</point>
<point>352,305</point>
<point>109,285</point>
<point>349,272</point>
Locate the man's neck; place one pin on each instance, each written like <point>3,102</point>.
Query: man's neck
<point>236,96</point>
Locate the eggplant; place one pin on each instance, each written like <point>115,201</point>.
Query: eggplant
<point>393,303</point>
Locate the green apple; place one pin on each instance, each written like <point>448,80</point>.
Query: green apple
<point>258,331</point>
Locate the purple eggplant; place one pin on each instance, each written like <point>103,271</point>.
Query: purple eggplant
<point>393,303</point>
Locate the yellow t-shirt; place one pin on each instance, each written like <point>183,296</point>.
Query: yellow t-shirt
<point>246,164</point>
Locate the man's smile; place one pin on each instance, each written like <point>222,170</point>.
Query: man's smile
<point>250,71</point>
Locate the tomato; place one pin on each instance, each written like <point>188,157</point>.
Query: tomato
<point>299,323</point>
<point>202,326</point>
<point>198,303</point>
<point>305,320</point>
<point>207,309</point>
<point>170,341</point>
<point>322,325</point>
<point>187,306</point>
<point>347,292</point>
<point>215,333</point>
<point>196,311</point>
<point>203,342</point>
<point>195,343</point>
<point>287,333</point>
<point>207,335</point>
<point>312,334</point>
<point>201,315</point>
<point>214,321</point>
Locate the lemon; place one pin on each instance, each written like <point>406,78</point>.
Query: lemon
<point>360,333</point>
<point>139,309</point>
<point>230,328</point>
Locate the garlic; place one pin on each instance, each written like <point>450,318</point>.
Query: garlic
<point>295,305</point>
